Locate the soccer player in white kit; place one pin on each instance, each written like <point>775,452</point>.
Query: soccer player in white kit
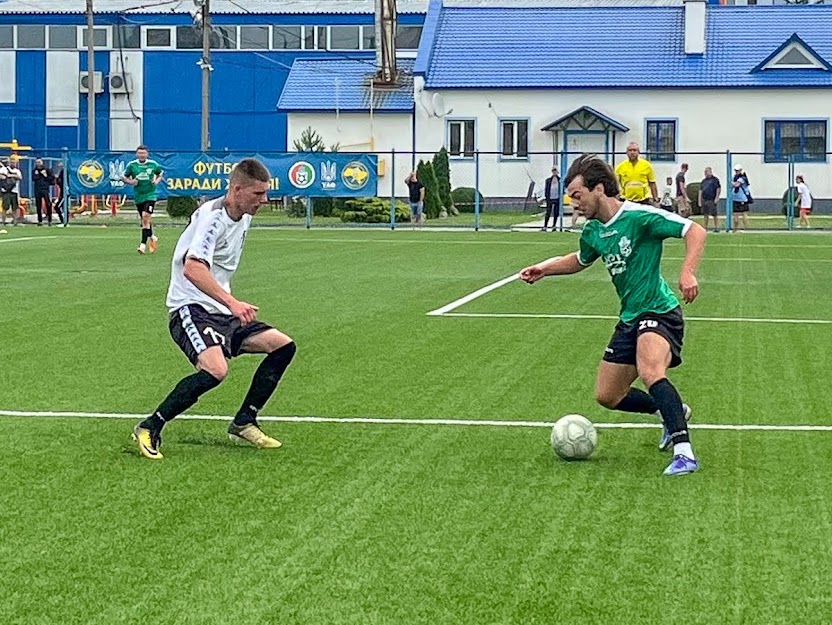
<point>209,324</point>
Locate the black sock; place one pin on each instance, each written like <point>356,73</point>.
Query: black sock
<point>144,236</point>
<point>150,232</point>
<point>637,401</point>
<point>182,397</point>
<point>673,414</point>
<point>265,380</point>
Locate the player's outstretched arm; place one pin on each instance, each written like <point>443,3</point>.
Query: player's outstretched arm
<point>559,266</point>
<point>198,272</point>
<point>694,247</point>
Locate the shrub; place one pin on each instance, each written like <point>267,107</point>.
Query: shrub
<point>464,199</point>
<point>372,210</point>
<point>433,205</point>
<point>328,206</point>
<point>795,200</point>
<point>296,207</point>
<point>693,196</point>
<point>442,169</point>
<point>181,207</point>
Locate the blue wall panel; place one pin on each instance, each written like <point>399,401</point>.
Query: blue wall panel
<point>172,100</point>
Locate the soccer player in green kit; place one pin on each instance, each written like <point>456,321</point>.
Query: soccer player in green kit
<point>647,340</point>
<point>144,174</point>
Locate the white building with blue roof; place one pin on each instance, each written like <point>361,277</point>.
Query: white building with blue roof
<point>508,81</point>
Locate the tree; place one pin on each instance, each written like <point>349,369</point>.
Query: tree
<point>442,169</point>
<point>311,141</point>
<point>433,204</point>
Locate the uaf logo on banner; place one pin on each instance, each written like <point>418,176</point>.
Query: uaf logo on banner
<point>90,173</point>
<point>328,175</point>
<point>301,175</point>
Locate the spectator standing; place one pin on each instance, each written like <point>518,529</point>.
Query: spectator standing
<point>636,177</point>
<point>41,182</point>
<point>681,201</point>
<point>804,200</point>
<point>416,198</point>
<point>667,196</point>
<point>742,197</point>
<point>551,193</point>
<point>709,192</point>
<point>59,184</point>
<point>10,178</point>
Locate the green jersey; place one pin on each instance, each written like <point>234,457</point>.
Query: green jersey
<point>145,173</point>
<point>630,244</point>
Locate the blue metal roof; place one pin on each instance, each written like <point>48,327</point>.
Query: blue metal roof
<point>635,47</point>
<point>344,85</point>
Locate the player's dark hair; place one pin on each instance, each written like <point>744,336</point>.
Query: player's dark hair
<point>250,169</point>
<point>142,147</point>
<point>594,171</point>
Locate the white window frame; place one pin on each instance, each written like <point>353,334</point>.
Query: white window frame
<point>170,29</point>
<point>269,39</point>
<point>360,36</point>
<point>462,137</point>
<point>514,156</point>
<point>108,37</point>
<point>67,27</point>
<point>279,26</point>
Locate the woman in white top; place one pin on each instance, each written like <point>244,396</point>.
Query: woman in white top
<point>804,201</point>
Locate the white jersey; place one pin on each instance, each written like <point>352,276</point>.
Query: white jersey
<point>805,195</point>
<point>213,237</point>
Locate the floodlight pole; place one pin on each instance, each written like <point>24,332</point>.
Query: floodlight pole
<point>90,78</point>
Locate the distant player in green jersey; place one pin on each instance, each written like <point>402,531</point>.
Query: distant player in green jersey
<point>144,174</point>
<point>647,340</point>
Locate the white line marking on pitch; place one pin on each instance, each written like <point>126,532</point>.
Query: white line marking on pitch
<point>613,318</point>
<point>452,422</point>
<point>27,239</point>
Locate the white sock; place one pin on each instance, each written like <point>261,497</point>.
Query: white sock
<point>683,449</point>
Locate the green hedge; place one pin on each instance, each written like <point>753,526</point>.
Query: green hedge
<point>693,196</point>
<point>373,210</point>
<point>463,199</point>
<point>181,207</point>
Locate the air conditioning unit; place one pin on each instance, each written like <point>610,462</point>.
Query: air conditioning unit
<point>84,82</point>
<point>120,83</point>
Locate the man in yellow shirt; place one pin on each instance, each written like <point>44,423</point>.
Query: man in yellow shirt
<point>636,177</point>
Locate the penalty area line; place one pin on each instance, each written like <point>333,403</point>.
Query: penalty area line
<point>445,422</point>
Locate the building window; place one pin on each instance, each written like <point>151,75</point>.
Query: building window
<point>514,138</point>
<point>309,38</point>
<point>223,38</point>
<point>254,37</point>
<point>99,37</point>
<point>407,37</point>
<point>127,36</point>
<point>368,38</point>
<point>322,42</point>
<point>344,37</point>
<point>188,38</point>
<point>461,137</point>
<point>63,38</point>
<point>287,37</point>
<point>158,38</point>
<point>661,140</point>
<point>7,37</point>
<point>804,141</point>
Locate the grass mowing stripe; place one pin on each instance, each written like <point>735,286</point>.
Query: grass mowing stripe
<point>388,421</point>
<point>613,318</point>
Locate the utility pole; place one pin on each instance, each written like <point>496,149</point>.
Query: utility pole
<point>205,64</point>
<point>90,79</point>
<point>386,21</point>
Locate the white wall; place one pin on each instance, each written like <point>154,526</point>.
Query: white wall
<point>125,129</point>
<point>8,70</point>
<point>62,100</point>
<point>708,121</point>
<point>354,133</point>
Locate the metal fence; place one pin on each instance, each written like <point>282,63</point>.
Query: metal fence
<point>494,190</point>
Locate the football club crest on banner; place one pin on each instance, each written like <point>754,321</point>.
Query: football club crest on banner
<point>302,175</point>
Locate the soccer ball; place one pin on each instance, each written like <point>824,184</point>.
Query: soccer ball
<point>574,437</point>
